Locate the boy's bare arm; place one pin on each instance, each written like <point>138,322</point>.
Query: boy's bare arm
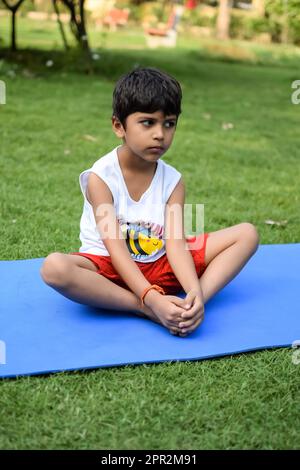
<point>100,197</point>
<point>167,308</point>
<point>178,255</point>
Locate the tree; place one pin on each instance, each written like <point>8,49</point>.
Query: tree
<point>223,19</point>
<point>77,22</point>
<point>78,28</point>
<point>77,25</point>
<point>13,9</point>
<point>60,25</point>
<point>259,7</point>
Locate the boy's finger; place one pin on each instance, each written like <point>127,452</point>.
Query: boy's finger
<point>182,335</point>
<point>187,315</point>
<point>191,312</point>
<point>193,326</point>
<point>173,331</point>
<point>180,303</point>
<point>178,312</point>
<point>177,300</point>
<point>176,318</point>
<point>190,323</point>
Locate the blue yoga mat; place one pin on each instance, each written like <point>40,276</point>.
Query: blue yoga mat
<point>41,331</point>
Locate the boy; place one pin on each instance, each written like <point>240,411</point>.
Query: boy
<point>134,254</point>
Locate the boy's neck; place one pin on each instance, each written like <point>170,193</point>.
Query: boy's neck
<point>132,163</point>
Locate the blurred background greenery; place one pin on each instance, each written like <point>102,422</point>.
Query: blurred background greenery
<point>237,146</point>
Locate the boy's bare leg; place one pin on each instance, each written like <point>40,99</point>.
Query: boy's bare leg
<point>227,252</point>
<point>76,278</point>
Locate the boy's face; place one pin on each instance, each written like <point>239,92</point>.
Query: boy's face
<point>144,131</point>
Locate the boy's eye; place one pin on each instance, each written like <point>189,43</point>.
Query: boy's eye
<point>170,123</point>
<point>146,122</point>
<point>149,122</point>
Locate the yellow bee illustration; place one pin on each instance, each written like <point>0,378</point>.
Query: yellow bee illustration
<point>140,241</point>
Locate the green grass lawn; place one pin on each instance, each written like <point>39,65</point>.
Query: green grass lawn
<point>249,172</point>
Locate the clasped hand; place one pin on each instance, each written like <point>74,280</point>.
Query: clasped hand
<point>180,316</point>
<point>193,313</point>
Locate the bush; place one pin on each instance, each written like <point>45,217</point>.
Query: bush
<point>135,14</point>
<point>284,16</point>
<point>197,18</point>
<point>237,27</point>
<point>281,19</point>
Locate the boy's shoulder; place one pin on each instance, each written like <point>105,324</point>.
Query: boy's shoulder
<point>105,159</point>
<point>170,168</point>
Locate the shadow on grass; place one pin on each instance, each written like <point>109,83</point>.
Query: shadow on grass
<point>109,64</point>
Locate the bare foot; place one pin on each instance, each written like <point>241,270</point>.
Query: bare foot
<point>146,312</point>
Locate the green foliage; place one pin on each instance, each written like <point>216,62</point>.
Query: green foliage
<point>27,5</point>
<point>196,18</point>
<point>236,26</point>
<point>294,21</point>
<point>245,27</point>
<point>135,14</point>
<point>246,173</point>
<point>280,14</point>
<point>31,5</point>
<point>284,14</point>
<point>160,12</point>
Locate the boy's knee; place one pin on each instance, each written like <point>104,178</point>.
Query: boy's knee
<point>251,234</point>
<point>54,270</point>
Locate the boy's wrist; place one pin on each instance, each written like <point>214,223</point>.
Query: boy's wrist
<point>151,295</point>
<point>196,289</point>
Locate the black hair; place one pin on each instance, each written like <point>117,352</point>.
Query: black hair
<point>146,90</point>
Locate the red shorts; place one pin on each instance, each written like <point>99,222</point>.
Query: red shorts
<point>156,272</point>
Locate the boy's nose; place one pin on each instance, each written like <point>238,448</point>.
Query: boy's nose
<point>158,132</point>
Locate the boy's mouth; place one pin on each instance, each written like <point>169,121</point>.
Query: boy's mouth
<point>156,149</point>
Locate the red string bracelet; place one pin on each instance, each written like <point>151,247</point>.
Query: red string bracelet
<point>154,286</point>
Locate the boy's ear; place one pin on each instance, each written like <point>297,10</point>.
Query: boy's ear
<point>117,127</point>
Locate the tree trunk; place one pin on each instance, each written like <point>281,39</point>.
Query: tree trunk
<point>82,28</point>
<point>60,25</point>
<point>77,23</point>
<point>285,26</point>
<point>13,9</point>
<point>223,20</point>
<point>13,45</point>
<point>259,7</point>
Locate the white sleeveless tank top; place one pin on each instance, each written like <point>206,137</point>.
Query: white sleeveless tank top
<point>142,222</point>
